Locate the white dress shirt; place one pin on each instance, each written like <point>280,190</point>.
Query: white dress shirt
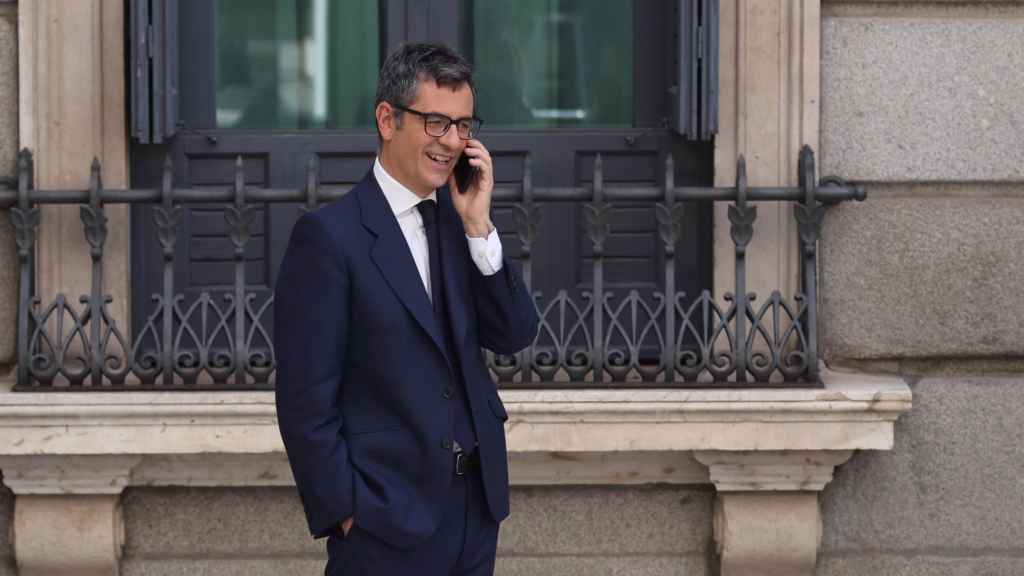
<point>486,252</point>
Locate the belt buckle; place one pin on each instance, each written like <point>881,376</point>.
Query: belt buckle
<point>461,463</point>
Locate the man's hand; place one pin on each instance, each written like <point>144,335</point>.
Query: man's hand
<point>346,525</point>
<point>474,204</point>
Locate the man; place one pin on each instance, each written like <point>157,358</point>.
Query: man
<point>392,424</point>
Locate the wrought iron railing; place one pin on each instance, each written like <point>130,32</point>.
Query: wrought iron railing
<point>598,339</point>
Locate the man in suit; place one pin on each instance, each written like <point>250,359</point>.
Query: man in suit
<point>392,424</point>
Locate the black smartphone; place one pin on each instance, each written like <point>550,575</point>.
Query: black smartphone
<point>465,174</point>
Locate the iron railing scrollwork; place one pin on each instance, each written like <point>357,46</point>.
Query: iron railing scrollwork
<point>595,338</point>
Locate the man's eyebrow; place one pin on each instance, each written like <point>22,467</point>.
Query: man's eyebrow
<point>446,116</point>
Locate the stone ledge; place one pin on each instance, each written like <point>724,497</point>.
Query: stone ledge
<point>554,436</point>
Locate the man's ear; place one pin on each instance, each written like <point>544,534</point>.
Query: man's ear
<point>386,123</point>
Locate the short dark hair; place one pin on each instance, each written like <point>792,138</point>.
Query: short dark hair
<point>400,75</point>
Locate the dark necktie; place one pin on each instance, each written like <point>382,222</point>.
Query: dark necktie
<point>428,210</point>
<point>465,437</point>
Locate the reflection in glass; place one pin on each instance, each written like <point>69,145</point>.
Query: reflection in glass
<point>553,62</point>
<point>296,64</point>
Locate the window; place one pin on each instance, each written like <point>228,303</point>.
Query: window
<point>295,65</point>
<point>553,63</point>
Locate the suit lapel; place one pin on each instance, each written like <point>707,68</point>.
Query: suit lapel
<point>391,254</point>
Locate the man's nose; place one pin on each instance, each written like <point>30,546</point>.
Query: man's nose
<point>451,138</point>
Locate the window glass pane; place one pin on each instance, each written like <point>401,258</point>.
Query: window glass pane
<point>295,64</point>
<point>553,62</point>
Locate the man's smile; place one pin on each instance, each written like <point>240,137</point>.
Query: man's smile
<point>440,159</point>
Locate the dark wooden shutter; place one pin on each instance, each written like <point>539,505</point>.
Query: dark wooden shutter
<point>154,77</point>
<point>695,114</point>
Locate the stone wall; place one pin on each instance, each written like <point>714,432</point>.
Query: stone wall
<point>924,103</point>
<point>948,500</point>
<point>924,277</point>
<point>592,531</point>
<point>605,531</point>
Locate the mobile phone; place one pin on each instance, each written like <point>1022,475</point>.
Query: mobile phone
<point>465,173</point>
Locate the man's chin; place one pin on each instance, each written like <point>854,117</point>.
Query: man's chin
<point>437,182</point>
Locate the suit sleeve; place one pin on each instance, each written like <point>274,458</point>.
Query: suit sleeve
<point>506,314</point>
<point>310,341</point>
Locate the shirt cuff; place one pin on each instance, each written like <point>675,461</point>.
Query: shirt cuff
<point>486,253</point>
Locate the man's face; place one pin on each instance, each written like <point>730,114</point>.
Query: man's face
<point>421,162</point>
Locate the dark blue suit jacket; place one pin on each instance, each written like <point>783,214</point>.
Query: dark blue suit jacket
<point>361,367</point>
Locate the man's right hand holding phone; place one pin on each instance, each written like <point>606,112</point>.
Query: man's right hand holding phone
<point>474,203</point>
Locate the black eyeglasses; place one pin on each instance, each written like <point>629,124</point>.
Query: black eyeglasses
<point>437,125</point>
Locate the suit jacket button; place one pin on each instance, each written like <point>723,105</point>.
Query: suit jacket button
<point>448,392</point>
<point>446,444</point>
